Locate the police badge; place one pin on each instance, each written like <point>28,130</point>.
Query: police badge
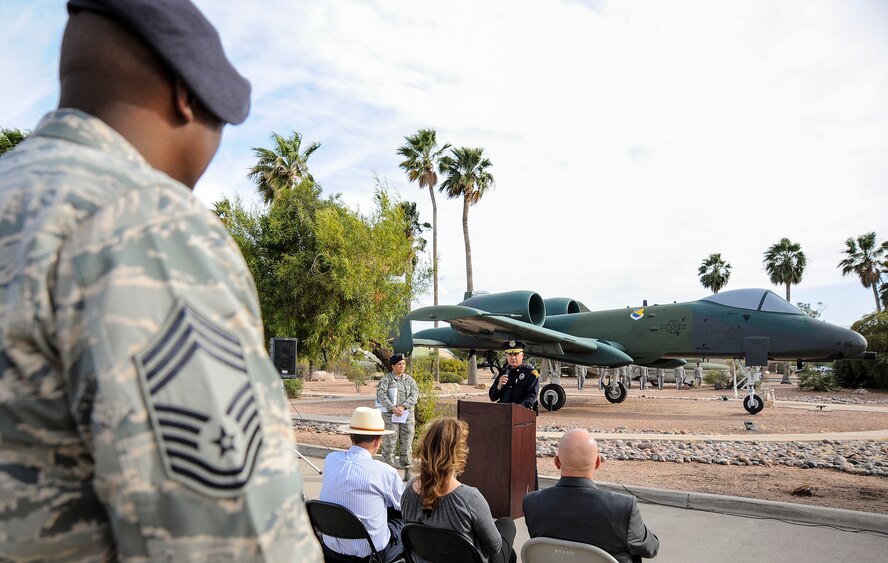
<point>200,400</point>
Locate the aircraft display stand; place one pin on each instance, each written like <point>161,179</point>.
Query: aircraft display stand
<point>502,454</point>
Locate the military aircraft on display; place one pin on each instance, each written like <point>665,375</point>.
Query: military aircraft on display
<point>753,324</point>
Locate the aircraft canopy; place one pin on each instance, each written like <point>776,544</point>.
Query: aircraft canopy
<point>755,300</point>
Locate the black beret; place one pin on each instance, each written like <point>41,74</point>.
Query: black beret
<point>395,359</point>
<point>189,45</point>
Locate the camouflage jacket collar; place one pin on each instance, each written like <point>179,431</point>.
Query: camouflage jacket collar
<point>78,127</point>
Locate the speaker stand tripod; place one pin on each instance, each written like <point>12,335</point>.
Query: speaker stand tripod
<point>306,460</point>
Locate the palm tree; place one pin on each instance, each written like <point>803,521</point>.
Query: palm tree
<point>862,257</point>
<point>467,177</point>
<point>714,273</point>
<point>421,160</point>
<point>281,167</point>
<point>785,263</point>
<point>9,138</point>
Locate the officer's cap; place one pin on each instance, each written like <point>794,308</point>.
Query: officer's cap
<point>189,45</point>
<point>514,346</point>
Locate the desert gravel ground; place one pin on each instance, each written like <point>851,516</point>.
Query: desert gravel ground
<point>694,411</point>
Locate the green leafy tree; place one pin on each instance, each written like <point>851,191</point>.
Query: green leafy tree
<point>9,138</point>
<point>468,177</point>
<point>862,257</point>
<point>714,273</point>
<point>325,273</point>
<point>867,373</point>
<point>785,263</point>
<point>281,167</point>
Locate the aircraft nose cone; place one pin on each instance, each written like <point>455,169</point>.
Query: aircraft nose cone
<point>859,342</point>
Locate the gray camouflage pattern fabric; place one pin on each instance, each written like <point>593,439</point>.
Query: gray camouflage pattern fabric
<point>140,417</point>
<point>401,441</point>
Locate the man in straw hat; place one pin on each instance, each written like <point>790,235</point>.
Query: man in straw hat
<point>369,488</point>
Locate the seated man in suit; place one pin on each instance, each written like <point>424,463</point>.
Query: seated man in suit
<point>369,488</point>
<point>575,509</point>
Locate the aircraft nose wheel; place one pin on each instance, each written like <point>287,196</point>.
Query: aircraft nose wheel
<point>753,404</point>
<point>615,392</point>
<point>553,397</point>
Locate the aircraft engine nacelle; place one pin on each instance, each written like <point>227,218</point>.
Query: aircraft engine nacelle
<point>525,306</point>
<point>561,306</point>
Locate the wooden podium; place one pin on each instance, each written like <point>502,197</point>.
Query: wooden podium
<point>502,454</point>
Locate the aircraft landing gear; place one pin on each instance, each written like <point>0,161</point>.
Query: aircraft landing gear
<point>615,392</point>
<point>490,358</point>
<point>753,403</point>
<point>553,397</point>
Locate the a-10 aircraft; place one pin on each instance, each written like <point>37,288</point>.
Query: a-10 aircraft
<point>754,324</point>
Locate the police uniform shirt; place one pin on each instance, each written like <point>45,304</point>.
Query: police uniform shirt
<point>140,417</point>
<point>521,388</point>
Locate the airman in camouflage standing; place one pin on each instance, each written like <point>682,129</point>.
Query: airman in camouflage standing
<point>140,417</point>
<point>397,393</point>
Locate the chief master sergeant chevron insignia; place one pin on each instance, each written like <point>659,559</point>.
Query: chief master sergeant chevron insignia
<point>200,399</point>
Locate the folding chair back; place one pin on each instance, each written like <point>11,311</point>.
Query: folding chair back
<point>437,545</point>
<point>543,550</point>
<point>337,521</point>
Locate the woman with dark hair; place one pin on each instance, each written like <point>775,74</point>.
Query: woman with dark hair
<point>437,499</point>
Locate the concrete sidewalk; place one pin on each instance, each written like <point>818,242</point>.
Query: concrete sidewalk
<point>699,527</point>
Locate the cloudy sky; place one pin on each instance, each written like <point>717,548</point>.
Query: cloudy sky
<point>629,140</point>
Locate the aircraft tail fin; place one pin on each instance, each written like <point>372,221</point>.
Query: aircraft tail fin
<point>403,343</point>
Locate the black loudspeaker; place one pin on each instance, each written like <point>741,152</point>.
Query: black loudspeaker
<point>283,356</point>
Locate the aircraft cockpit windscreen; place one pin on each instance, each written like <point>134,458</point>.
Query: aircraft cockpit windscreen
<point>775,304</point>
<point>754,299</point>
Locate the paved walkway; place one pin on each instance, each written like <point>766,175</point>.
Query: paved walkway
<point>695,527</point>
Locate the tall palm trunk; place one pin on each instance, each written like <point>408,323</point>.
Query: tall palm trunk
<point>787,366</point>
<point>434,243</point>
<point>876,295</point>
<point>470,286</point>
<point>436,368</point>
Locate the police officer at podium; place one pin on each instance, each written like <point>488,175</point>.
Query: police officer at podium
<point>517,382</point>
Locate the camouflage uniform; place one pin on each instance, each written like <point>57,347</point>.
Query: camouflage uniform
<point>408,396</point>
<point>140,417</point>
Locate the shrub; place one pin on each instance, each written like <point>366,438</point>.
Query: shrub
<point>426,407</point>
<point>303,370</point>
<point>816,380</point>
<point>450,377</point>
<point>293,387</point>
<point>867,373</point>
<point>718,378</point>
<point>357,374</point>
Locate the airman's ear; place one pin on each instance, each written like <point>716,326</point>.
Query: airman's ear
<point>184,101</point>
<point>557,462</point>
<point>597,462</point>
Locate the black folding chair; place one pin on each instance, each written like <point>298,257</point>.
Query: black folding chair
<point>437,545</point>
<point>339,522</point>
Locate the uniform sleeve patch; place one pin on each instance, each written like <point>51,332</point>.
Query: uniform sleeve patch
<point>200,400</point>
<point>535,374</point>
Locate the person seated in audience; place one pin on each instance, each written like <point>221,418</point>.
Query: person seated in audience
<point>369,488</point>
<point>575,509</point>
<point>436,498</point>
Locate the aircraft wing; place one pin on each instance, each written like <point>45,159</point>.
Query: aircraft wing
<point>475,322</point>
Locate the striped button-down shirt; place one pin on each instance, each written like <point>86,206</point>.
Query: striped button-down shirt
<point>365,486</point>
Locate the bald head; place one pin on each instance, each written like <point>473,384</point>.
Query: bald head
<point>577,454</point>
